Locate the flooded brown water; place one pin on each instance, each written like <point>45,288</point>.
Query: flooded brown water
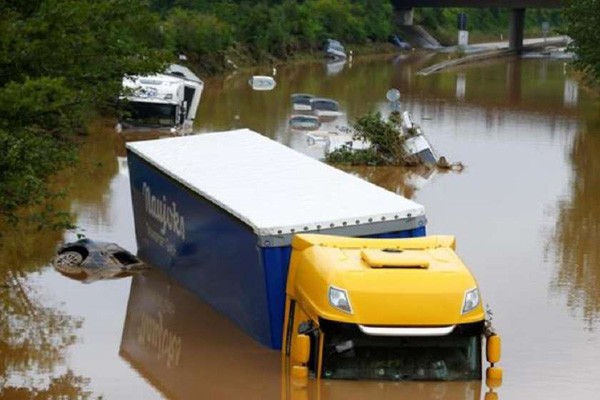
<point>525,210</point>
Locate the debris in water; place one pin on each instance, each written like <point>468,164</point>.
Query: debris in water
<point>444,164</point>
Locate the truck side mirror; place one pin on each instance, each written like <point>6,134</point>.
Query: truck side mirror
<point>301,349</point>
<point>301,355</point>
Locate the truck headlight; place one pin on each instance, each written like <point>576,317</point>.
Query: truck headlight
<point>471,300</point>
<point>339,299</point>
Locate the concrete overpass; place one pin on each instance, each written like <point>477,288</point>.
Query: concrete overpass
<point>517,15</point>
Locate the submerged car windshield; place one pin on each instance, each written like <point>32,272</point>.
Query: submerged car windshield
<point>325,105</point>
<point>350,354</point>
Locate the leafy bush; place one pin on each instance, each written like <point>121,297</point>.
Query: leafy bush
<point>386,143</point>
<point>59,61</point>
<point>339,19</point>
<point>202,37</point>
<point>348,156</point>
<point>583,19</point>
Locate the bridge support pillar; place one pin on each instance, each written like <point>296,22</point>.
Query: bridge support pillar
<point>513,82</point>
<point>405,17</point>
<point>516,27</point>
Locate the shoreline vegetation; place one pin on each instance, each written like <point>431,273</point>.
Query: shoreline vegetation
<point>297,30</point>
<point>385,141</point>
<point>62,63</point>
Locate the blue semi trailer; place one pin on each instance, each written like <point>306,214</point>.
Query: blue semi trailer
<point>217,212</point>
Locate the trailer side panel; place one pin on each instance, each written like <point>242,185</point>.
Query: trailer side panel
<point>216,257</point>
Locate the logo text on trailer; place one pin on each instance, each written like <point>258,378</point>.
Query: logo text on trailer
<point>163,212</point>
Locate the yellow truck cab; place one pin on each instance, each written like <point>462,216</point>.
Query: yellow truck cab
<point>385,309</point>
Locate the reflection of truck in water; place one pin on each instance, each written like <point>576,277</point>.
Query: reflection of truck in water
<point>187,350</point>
<point>184,348</point>
<point>220,213</point>
<point>163,102</point>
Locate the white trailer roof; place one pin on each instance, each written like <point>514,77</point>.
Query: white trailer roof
<point>272,188</point>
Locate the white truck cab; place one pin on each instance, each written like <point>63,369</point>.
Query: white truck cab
<point>163,102</point>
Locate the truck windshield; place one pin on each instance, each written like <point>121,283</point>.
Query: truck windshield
<point>350,354</point>
<point>151,115</point>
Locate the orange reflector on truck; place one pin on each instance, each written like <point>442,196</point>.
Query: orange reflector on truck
<point>493,350</point>
<point>393,259</point>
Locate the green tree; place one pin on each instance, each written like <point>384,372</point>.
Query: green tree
<point>582,20</point>
<point>204,38</point>
<point>340,19</point>
<point>59,61</point>
<point>379,17</point>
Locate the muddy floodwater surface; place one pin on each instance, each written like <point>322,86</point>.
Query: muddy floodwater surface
<point>525,211</point>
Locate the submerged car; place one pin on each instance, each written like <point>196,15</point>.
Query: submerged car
<point>325,108</point>
<point>400,43</point>
<point>261,82</point>
<point>334,50</point>
<point>87,260</point>
<point>304,122</point>
<point>301,101</point>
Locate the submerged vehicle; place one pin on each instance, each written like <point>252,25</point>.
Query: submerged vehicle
<point>334,50</point>
<point>301,101</point>
<point>325,108</point>
<point>261,82</point>
<point>165,102</point>
<point>400,43</point>
<point>334,139</point>
<point>385,309</point>
<point>304,122</point>
<point>88,260</point>
<point>377,301</point>
<point>203,353</point>
<point>416,144</point>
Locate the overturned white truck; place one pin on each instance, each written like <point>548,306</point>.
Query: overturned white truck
<point>163,103</point>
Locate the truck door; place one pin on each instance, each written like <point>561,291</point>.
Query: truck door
<point>188,97</point>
